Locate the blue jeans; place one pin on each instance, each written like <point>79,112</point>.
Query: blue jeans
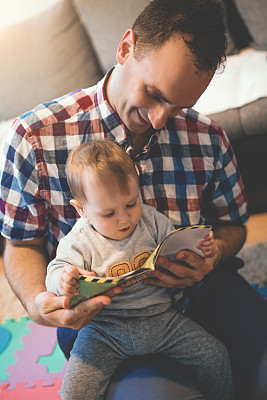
<point>227,307</point>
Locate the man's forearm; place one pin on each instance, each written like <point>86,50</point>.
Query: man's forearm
<point>25,265</point>
<point>229,240</point>
<point>25,268</point>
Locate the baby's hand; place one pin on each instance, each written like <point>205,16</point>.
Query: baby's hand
<point>207,246</point>
<point>68,280</point>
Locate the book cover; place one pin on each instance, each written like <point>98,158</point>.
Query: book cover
<point>179,239</point>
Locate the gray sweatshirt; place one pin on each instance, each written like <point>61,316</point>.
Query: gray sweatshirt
<point>84,247</point>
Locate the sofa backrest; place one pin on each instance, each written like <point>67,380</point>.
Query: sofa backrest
<point>72,43</point>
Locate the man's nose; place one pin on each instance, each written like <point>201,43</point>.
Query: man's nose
<point>158,116</point>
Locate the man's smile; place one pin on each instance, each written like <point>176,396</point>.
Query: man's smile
<point>141,119</point>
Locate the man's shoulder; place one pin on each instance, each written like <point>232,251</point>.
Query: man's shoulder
<point>67,108</point>
<point>191,120</point>
<point>190,127</point>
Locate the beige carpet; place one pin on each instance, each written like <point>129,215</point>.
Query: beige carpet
<point>10,306</point>
<point>255,257</point>
<point>255,271</point>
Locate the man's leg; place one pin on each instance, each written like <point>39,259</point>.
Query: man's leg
<point>144,378</point>
<point>152,377</point>
<point>231,310</point>
<point>201,353</point>
<point>66,338</point>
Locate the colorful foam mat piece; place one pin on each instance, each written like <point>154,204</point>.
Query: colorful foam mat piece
<point>261,290</point>
<point>31,363</point>
<point>38,392</point>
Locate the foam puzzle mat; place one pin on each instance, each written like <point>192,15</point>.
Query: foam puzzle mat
<point>31,363</point>
<point>261,290</point>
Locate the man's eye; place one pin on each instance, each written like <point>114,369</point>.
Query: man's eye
<point>131,205</point>
<point>153,96</point>
<point>109,215</point>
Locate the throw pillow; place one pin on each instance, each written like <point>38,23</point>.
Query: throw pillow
<point>254,15</point>
<point>106,22</point>
<point>44,57</point>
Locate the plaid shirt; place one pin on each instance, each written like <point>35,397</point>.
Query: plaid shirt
<point>187,170</point>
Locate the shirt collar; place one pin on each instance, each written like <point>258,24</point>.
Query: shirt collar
<point>113,126</point>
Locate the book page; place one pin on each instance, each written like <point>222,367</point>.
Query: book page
<point>180,239</point>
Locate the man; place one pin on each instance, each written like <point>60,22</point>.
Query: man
<point>187,171</point>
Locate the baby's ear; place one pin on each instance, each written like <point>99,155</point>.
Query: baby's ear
<point>79,208</point>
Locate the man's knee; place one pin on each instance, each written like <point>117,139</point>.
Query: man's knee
<point>66,338</point>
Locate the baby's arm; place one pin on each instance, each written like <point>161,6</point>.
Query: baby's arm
<point>64,269</point>
<point>207,246</point>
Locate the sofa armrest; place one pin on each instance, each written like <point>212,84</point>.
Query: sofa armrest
<point>251,157</point>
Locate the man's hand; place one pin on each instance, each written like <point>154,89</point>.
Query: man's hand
<point>228,240</point>
<point>54,310</point>
<point>179,275</point>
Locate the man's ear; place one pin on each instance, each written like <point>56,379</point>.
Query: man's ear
<point>79,208</point>
<point>126,46</point>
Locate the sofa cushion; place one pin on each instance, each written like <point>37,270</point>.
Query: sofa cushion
<point>106,22</point>
<point>237,97</point>
<point>248,120</point>
<point>45,56</point>
<point>237,32</point>
<point>254,15</point>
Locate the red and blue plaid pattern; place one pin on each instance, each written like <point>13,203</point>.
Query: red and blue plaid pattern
<point>187,170</point>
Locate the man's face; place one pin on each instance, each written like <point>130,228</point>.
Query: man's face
<point>147,91</point>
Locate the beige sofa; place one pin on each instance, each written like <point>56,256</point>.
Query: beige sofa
<point>58,46</point>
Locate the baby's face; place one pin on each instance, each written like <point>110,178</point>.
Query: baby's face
<point>113,215</point>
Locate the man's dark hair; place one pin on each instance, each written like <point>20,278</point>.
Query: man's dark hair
<point>201,24</point>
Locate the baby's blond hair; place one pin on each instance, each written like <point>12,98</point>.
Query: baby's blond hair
<point>104,158</point>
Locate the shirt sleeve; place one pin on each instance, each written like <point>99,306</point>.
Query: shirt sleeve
<point>23,211</point>
<point>224,200</point>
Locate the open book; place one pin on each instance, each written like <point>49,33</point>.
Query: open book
<point>179,239</point>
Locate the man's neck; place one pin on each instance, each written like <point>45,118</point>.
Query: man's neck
<point>106,89</point>
<point>139,140</point>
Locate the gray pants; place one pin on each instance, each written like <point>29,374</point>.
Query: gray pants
<point>115,335</point>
